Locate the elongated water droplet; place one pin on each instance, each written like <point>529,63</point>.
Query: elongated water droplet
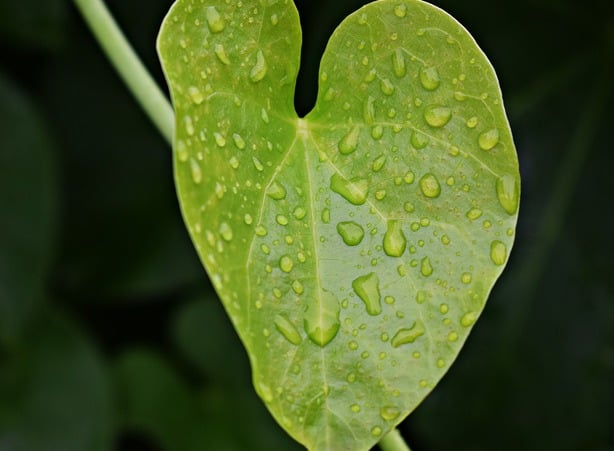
<point>299,212</point>
<point>182,151</point>
<point>259,69</point>
<point>195,95</point>
<point>508,193</point>
<point>400,10</point>
<point>437,116</point>
<point>354,190</point>
<point>429,78</point>
<point>258,164</point>
<point>197,175</point>
<point>398,63</point>
<point>468,319</point>
<point>214,20</point>
<point>498,252</point>
<point>426,269</point>
<point>394,239</point>
<point>488,139</point>
<point>430,185</point>
<point>367,289</point>
<point>349,142</point>
<point>466,277</point>
<point>239,141</point>
<point>219,139</point>
<point>351,233</point>
<point>287,329</point>
<point>472,122</point>
<point>369,110</point>
<point>298,287</point>
<point>377,132</point>
<point>389,413</point>
<point>387,87</point>
<point>474,214</point>
<point>225,231</point>
<point>220,52</point>
<point>379,162</point>
<point>276,191</point>
<point>419,140</point>
<point>404,336</point>
<point>322,318</point>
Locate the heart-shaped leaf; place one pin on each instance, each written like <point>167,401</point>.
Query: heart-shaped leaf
<point>354,248</point>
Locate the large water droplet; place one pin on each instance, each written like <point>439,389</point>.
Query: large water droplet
<point>419,140</point>
<point>430,185</point>
<point>508,193</point>
<point>398,63</point>
<point>429,78</point>
<point>351,232</point>
<point>437,116</point>
<point>426,269</point>
<point>287,329</point>
<point>468,319</point>
<point>498,252</point>
<point>488,139</point>
<point>349,142</point>
<point>286,264</point>
<point>389,413</point>
<point>354,191</point>
<point>220,52</point>
<point>404,336</point>
<point>214,20</point>
<point>259,69</point>
<point>276,191</point>
<point>322,318</point>
<point>394,239</point>
<point>367,289</point>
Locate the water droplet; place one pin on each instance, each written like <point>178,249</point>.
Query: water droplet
<point>394,239</point>
<point>264,116</point>
<point>354,190</point>
<point>437,116</point>
<point>286,264</point>
<point>259,69</point>
<point>326,216</point>
<point>419,140</point>
<point>189,125</point>
<point>421,296</point>
<point>466,277</point>
<point>387,87</point>
<point>238,140</point>
<point>488,139</point>
<point>472,122</point>
<point>404,336</point>
<point>182,151</point>
<point>369,110</point>
<point>195,94</point>
<point>219,139</point>
<point>400,10</point>
<point>260,230</point>
<point>429,77</point>
<point>234,162</point>
<point>349,142</point>
<point>468,319</point>
<point>398,63</point>
<point>264,391</point>
<point>197,175</point>
<point>220,52</point>
<point>377,132</point>
<point>353,345</point>
<point>351,232</point>
<point>474,214</point>
<point>322,318</point>
<point>258,164</point>
<point>276,191</point>
<point>430,186</point>
<point>282,220</point>
<point>367,289</point>
<point>298,287</point>
<point>508,193</point>
<point>498,252</point>
<point>248,219</point>
<point>355,408</point>
<point>287,329</point>
<point>376,431</point>
<point>225,231</point>
<point>299,213</point>
<point>440,363</point>
<point>379,162</point>
<point>389,413</point>
<point>443,308</point>
<point>274,19</point>
<point>452,336</point>
<point>214,20</point>
<point>425,267</point>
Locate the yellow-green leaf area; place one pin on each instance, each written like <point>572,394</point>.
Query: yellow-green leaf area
<point>324,234</point>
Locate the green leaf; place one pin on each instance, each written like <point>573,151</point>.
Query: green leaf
<point>354,248</point>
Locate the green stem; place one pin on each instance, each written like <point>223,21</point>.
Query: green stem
<point>393,441</point>
<point>127,63</point>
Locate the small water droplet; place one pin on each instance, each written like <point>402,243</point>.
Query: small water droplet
<point>443,308</point>
<point>379,162</point>
<point>354,190</point>
<point>488,139</point>
<point>355,408</point>
<point>195,95</point>
<point>282,220</point>
<point>189,125</point>
<point>349,142</point>
<point>238,140</point>
<point>389,413</point>
<point>258,164</point>
<point>394,239</point>
<point>419,140</point>
<point>286,264</point>
<point>421,296</point>
<point>400,10</point>
<point>259,69</point>
<point>437,116</point>
<point>441,363</point>
<point>466,277</point>
<point>276,191</point>
<point>369,110</point>
<point>299,213</point>
<point>287,329</point>
<point>367,289</point>
<point>498,252</point>
<point>377,132</point>
<point>234,162</point>
<point>326,216</point>
<point>472,122</point>
<point>468,319</point>
<point>452,336</point>
<point>248,219</point>
<point>274,19</point>
<point>404,336</point>
<point>260,230</point>
<point>430,185</point>
<point>322,318</point>
<point>398,63</point>
<point>225,231</point>
<point>220,52</point>
<point>508,193</point>
<point>376,431</point>
<point>214,20</point>
<point>197,175</point>
<point>182,151</point>
<point>474,214</point>
<point>219,139</point>
<point>351,232</point>
<point>298,287</point>
<point>426,269</point>
<point>387,87</point>
<point>429,77</point>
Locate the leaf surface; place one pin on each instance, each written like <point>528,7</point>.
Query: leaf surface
<point>354,248</point>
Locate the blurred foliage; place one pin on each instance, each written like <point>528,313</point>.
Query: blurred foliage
<point>110,335</point>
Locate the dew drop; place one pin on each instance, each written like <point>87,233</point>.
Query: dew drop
<point>351,232</point>
<point>258,164</point>
<point>472,122</point>
<point>443,308</point>
<point>195,95</point>
<point>298,287</point>
<point>276,191</point>
<point>349,142</point>
<point>400,10</point>
<point>452,336</point>
<point>322,318</point>
<point>354,191</point>
<point>419,140</point>
<point>182,151</point>
<point>367,289</point>
<point>466,277</point>
<point>430,186</point>
<point>498,252</point>
<point>274,19</point>
<point>369,110</point>
<point>429,78</point>
<point>248,219</point>
<point>507,193</point>
<point>286,264</point>
<point>299,213</point>
<point>214,20</point>
<point>326,216</point>
<point>189,125</point>
<point>221,55</point>
<point>426,269</point>
<point>394,239</point>
<point>282,220</point>
<point>474,214</point>
<point>355,408</point>
<point>398,63</point>
<point>389,413</point>
<point>404,336</point>
<point>376,431</point>
<point>238,140</point>
<point>225,231</point>
<point>259,69</point>
<point>219,139</point>
<point>377,132</point>
<point>437,116</point>
<point>421,296</point>
<point>197,175</point>
<point>287,329</point>
<point>488,139</point>
<point>468,319</point>
<point>387,87</point>
<point>234,162</point>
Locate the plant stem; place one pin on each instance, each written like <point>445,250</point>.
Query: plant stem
<point>393,441</point>
<point>128,65</point>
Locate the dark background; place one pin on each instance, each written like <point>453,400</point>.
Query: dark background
<point>111,337</point>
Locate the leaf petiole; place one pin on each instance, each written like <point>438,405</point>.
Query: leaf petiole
<point>393,441</point>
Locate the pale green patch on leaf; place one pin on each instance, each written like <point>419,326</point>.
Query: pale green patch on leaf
<point>354,248</point>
